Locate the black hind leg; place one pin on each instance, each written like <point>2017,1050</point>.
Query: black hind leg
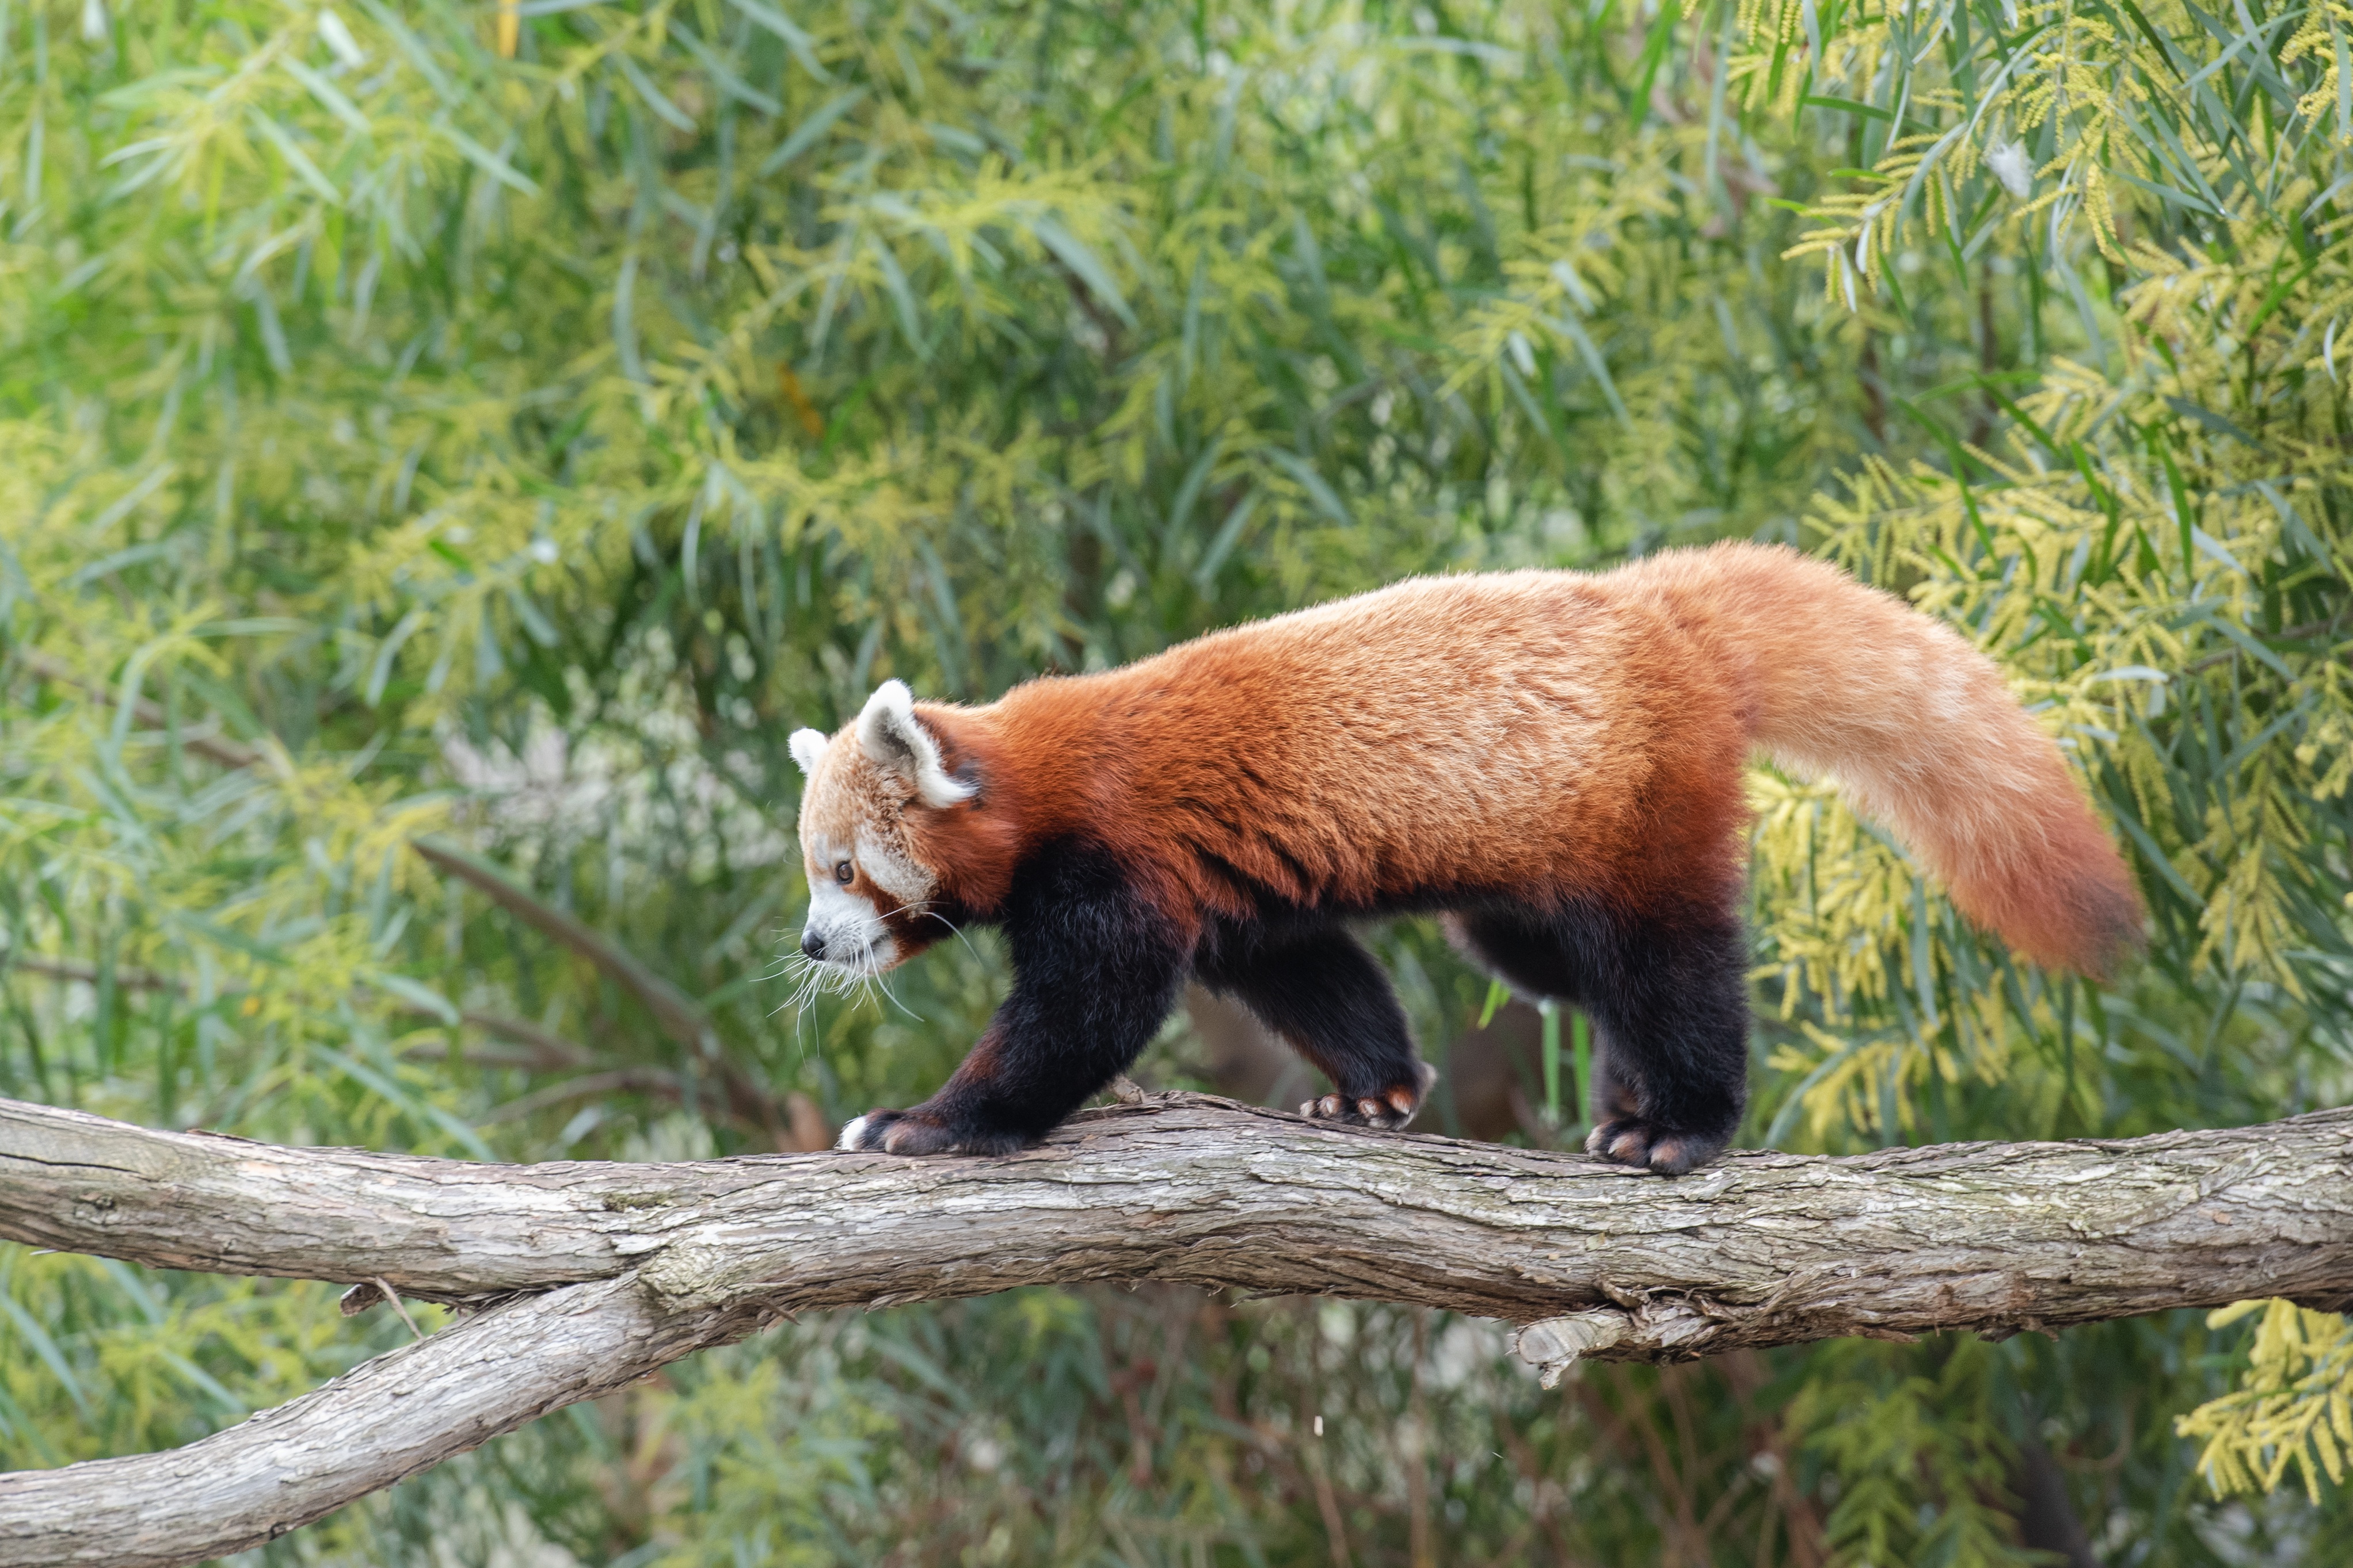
<point>1670,1014</point>
<point>1318,988</point>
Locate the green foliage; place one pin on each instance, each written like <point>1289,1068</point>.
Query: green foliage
<point>2156,540</point>
<point>1890,1433</point>
<point>107,1360</point>
<point>2296,1409</point>
<point>510,424</point>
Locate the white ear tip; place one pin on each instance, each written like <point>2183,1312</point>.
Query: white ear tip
<point>939,789</point>
<point>808,746</point>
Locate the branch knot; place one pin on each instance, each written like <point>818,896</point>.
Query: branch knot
<point>1554,1346</point>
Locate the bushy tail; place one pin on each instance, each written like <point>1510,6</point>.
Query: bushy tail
<point>1922,735</point>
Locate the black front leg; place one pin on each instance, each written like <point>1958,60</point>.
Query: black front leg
<point>1095,971</point>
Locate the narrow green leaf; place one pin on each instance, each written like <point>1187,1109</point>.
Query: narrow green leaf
<point>803,46</point>
<point>1848,106</point>
<point>804,136</point>
<point>482,158</point>
<point>1327,500</point>
<point>653,97</point>
<point>1082,261</point>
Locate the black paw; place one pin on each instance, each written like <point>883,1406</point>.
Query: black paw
<point>1669,1150</point>
<point>921,1133</point>
<point>1389,1107</point>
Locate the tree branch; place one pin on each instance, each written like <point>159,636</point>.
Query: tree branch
<point>643,1264</point>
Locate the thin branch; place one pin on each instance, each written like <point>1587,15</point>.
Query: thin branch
<point>590,1086</point>
<point>87,973</point>
<point>786,1127</point>
<point>219,748</point>
<point>388,1293</point>
<point>546,1049</point>
<point>682,1017</point>
<point>1105,323</point>
<point>643,1264</point>
<point>543,1048</point>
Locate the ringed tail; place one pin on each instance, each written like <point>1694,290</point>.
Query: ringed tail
<point>1922,735</point>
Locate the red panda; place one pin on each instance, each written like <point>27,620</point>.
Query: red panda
<point>1551,760</point>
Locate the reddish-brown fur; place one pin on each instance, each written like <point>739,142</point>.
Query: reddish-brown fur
<point>1537,735</point>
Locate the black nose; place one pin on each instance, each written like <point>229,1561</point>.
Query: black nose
<point>812,943</point>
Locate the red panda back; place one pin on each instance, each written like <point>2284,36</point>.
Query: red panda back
<point>1522,734</point>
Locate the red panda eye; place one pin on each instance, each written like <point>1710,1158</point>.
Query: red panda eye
<point>845,873</point>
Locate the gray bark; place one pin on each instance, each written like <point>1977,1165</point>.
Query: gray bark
<point>642,1264</point>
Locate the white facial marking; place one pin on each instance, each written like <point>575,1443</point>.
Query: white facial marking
<point>851,935</point>
<point>896,874</point>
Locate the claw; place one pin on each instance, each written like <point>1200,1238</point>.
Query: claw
<point>1669,1152</point>
<point>919,1132</point>
<point>1390,1108</point>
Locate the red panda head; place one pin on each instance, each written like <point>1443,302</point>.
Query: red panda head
<point>871,830</point>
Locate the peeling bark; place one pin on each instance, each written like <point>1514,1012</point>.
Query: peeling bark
<point>639,1265</point>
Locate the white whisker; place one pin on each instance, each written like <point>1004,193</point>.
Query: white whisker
<point>885,989</point>
<point>935,915</point>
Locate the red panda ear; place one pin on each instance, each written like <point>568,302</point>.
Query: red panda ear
<point>893,738</point>
<point>808,745</point>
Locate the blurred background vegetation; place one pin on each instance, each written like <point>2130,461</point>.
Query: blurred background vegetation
<point>500,426</point>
